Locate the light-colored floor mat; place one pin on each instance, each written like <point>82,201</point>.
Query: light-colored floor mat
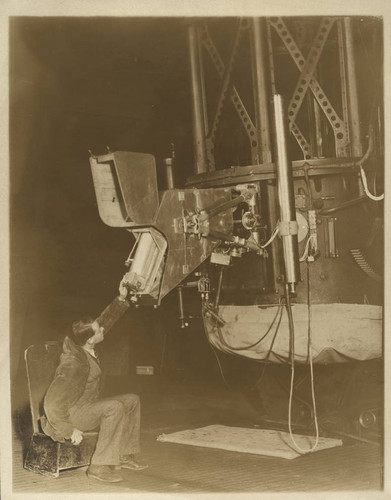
<point>257,441</point>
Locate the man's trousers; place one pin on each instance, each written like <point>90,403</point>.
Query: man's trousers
<point>118,419</point>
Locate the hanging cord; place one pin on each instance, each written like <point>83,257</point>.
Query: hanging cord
<point>362,171</point>
<point>309,302</point>
<point>204,309</point>
<point>265,361</point>
<point>274,234</point>
<point>222,340</point>
<point>306,248</point>
<point>292,350</point>
<point>369,151</point>
<point>280,310</point>
<point>281,302</point>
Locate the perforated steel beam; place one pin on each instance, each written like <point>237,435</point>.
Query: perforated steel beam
<point>338,125</point>
<point>236,100</point>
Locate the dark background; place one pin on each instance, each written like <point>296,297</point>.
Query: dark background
<point>78,85</point>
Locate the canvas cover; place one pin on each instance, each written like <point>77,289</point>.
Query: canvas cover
<point>340,332</point>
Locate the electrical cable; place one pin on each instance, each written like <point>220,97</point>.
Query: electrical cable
<point>367,153</point>
<point>292,351</point>
<point>204,309</point>
<point>309,301</point>
<point>305,251</point>
<point>298,398</point>
<point>222,340</point>
<point>276,331</point>
<point>213,350</point>
<point>274,234</point>
<point>265,360</point>
<point>366,188</point>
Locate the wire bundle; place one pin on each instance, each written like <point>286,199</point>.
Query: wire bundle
<point>310,238</point>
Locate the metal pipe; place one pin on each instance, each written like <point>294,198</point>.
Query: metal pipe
<point>260,89</point>
<point>218,291</point>
<point>181,309</point>
<point>286,195</point>
<point>199,134</point>
<point>353,110</point>
<point>168,162</point>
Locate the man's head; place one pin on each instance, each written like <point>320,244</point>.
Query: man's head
<point>87,331</point>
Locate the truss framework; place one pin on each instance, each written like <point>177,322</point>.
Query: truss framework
<point>307,86</point>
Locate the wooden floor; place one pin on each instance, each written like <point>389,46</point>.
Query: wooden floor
<point>356,466</point>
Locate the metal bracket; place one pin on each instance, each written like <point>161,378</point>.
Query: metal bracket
<point>194,223</point>
<point>287,228</point>
<point>331,247</point>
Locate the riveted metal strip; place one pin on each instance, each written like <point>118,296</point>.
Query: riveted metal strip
<point>219,65</point>
<point>302,141</point>
<point>342,72</point>
<point>308,68</point>
<point>338,125</point>
<point>227,78</point>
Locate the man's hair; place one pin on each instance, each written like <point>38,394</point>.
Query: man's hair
<point>82,330</point>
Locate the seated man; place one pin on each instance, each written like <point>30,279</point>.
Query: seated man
<point>72,403</point>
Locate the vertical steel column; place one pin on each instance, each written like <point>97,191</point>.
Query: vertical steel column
<point>258,38</point>
<point>353,111</point>
<point>199,134</point>
<point>286,199</point>
<point>274,247</point>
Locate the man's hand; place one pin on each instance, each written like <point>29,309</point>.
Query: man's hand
<point>123,291</point>
<point>77,436</point>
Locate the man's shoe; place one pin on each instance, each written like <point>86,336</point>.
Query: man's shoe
<point>104,473</point>
<point>129,462</point>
